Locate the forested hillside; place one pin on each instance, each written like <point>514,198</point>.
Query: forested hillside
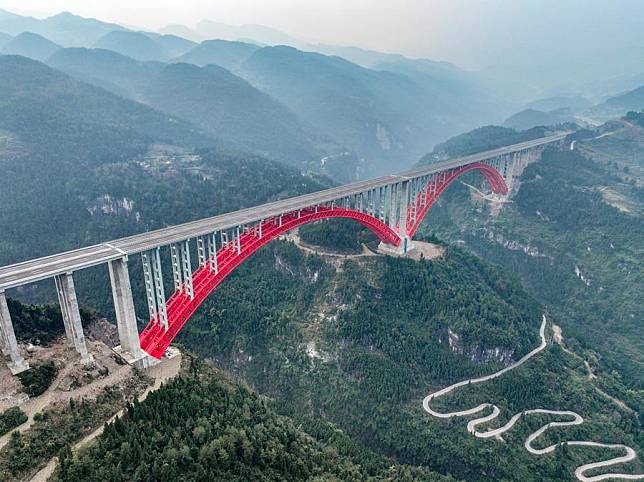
<point>479,140</point>
<point>224,105</point>
<point>213,429</point>
<point>64,120</point>
<point>574,236</point>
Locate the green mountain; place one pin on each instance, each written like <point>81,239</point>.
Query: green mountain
<point>633,100</point>
<point>459,95</point>
<point>581,260</point>
<point>107,69</point>
<point>231,109</point>
<point>64,29</point>
<point>238,436</point>
<point>618,105</point>
<point>529,118</point>
<point>224,53</point>
<point>482,139</point>
<point>51,112</point>
<point>575,103</point>
<point>55,132</point>
<point>385,117</point>
<point>215,100</point>
<point>30,45</point>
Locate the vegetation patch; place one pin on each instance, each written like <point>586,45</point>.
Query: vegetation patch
<point>344,235</point>
<point>38,378</point>
<point>11,418</point>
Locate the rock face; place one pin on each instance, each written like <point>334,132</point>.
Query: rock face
<point>475,352</point>
<point>512,244</point>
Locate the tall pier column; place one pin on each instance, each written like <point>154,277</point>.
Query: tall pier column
<point>405,244</point>
<point>71,315</point>
<point>8,341</point>
<point>124,307</point>
<point>398,206</point>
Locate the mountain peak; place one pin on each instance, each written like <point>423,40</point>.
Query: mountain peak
<point>32,45</point>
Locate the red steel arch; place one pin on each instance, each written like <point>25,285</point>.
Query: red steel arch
<point>429,194</point>
<point>180,307</point>
<point>155,339</point>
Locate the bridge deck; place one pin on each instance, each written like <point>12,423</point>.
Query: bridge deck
<point>49,266</point>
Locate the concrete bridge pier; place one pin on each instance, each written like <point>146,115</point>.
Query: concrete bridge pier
<point>8,341</point>
<point>71,315</point>
<point>130,347</point>
<point>398,208</point>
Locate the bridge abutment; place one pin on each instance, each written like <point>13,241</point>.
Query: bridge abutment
<point>8,341</point>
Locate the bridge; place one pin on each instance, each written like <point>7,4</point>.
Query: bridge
<point>392,207</point>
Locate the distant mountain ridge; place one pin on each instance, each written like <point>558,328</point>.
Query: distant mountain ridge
<point>65,28</point>
<point>30,45</point>
<point>227,54</point>
<point>529,118</point>
<point>219,102</point>
<point>132,44</point>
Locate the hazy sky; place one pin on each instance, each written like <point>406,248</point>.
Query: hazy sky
<point>472,33</point>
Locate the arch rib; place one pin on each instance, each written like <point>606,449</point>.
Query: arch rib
<point>180,307</point>
<point>434,188</point>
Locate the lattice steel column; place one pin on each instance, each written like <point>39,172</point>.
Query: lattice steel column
<point>212,252</point>
<point>176,267</point>
<point>159,290</point>
<point>148,279</point>
<point>201,251</point>
<point>8,339</point>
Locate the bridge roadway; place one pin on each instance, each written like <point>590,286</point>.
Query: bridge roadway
<point>47,267</point>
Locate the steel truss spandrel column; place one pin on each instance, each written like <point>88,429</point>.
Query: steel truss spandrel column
<point>8,339</point>
<point>176,267</point>
<point>159,290</point>
<point>148,278</point>
<point>201,251</point>
<point>212,252</point>
<point>187,268</point>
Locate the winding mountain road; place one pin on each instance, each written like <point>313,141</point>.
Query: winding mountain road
<point>573,419</point>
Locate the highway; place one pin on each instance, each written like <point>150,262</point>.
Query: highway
<point>49,266</point>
